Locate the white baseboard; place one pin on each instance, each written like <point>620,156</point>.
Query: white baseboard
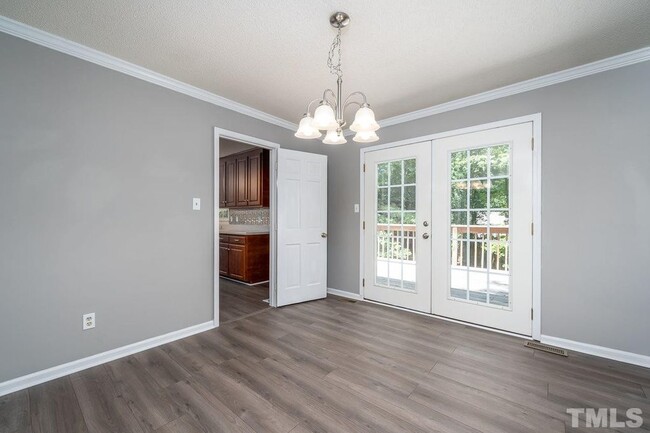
<point>603,352</point>
<point>344,294</point>
<point>55,372</point>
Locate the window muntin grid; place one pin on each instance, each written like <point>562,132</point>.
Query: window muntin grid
<point>395,210</point>
<point>479,204</point>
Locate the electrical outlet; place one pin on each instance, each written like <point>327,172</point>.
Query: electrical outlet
<point>196,204</point>
<point>88,321</point>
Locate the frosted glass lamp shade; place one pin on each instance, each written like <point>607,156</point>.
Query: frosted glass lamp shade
<point>364,120</point>
<point>324,118</point>
<point>335,136</point>
<point>365,137</point>
<point>306,128</point>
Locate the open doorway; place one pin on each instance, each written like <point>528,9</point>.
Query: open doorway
<point>296,225</point>
<point>243,219</point>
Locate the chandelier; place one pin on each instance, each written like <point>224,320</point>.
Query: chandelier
<point>328,115</point>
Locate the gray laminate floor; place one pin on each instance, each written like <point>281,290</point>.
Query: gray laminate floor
<point>237,300</point>
<point>331,366</point>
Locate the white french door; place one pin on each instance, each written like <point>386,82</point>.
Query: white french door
<point>302,227</point>
<point>483,210</point>
<point>448,227</point>
<point>397,212</point>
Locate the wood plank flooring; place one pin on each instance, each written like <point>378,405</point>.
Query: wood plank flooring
<point>331,366</point>
<point>237,300</point>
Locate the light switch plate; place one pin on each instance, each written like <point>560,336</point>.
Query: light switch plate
<point>196,204</point>
<point>356,208</point>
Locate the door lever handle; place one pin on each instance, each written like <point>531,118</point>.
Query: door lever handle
<point>425,235</point>
<point>323,235</point>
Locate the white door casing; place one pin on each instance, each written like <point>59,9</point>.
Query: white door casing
<point>397,212</point>
<point>457,245</point>
<point>302,227</point>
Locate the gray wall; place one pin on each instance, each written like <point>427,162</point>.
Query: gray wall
<point>97,173</point>
<point>595,202</point>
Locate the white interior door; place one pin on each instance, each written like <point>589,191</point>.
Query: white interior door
<point>397,213</point>
<point>302,227</point>
<point>482,216</point>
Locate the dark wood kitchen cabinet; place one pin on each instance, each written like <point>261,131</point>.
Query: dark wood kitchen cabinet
<point>222,182</point>
<point>258,179</point>
<point>223,257</point>
<point>237,262</point>
<point>229,198</point>
<point>245,179</point>
<point>244,257</point>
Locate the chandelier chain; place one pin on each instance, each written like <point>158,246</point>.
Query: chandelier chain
<point>335,50</point>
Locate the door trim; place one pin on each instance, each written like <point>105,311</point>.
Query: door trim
<point>273,157</point>
<point>536,120</point>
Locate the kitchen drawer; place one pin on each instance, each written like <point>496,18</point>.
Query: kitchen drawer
<point>223,239</point>
<point>237,240</point>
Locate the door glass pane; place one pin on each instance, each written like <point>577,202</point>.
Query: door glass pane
<point>396,198</point>
<point>382,174</point>
<point>396,173</point>
<point>459,165</point>
<point>459,195</point>
<point>459,218</point>
<point>395,228</point>
<point>409,197</point>
<point>409,171</point>
<point>499,160</point>
<point>479,181</point>
<point>478,162</point>
<point>408,218</point>
<point>382,199</point>
<point>499,193</point>
<point>478,192</point>
<point>459,273</point>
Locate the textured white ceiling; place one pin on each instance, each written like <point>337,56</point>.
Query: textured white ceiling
<point>271,55</point>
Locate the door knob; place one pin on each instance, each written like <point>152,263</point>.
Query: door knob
<point>323,235</point>
<point>425,235</point>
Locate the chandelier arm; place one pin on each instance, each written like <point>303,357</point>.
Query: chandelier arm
<point>363,95</point>
<point>309,105</point>
<point>331,92</point>
<point>347,104</point>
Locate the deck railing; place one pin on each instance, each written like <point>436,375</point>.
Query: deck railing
<point>469,246</point>
<point>396,242</point>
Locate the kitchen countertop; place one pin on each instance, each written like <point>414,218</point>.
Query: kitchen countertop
<point>242,232</point>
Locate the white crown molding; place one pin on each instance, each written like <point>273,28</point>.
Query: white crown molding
<point>55,372</point>
<point>603,352</point>
<point>83,52</point>
<point>619,61</point>
<point>63,45</point>
<point>344,294</point>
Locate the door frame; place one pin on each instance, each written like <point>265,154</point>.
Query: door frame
<point>273,158</point>
<point>536,120</point>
